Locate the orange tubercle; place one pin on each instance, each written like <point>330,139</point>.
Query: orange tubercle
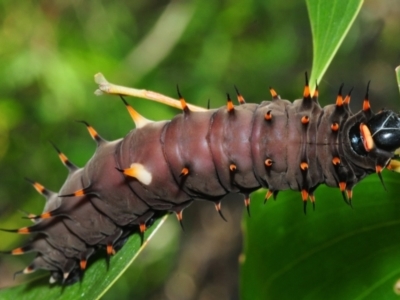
<point>179,215</point>
<point>268,116</point>
<point>304,166</point>
<point>110,250</point>
<point>274,94</point>
<point>367,137</point>
<point>18,251</point>
<point>83,264</point>
<point>366,105</point>
<point>339,100</point>
<point>268,162</point>
<point>349,194</point>
<point>336,161</point>
<point>304,195</point>
<point>79,193</point>
<point>184,105</point>
<point>93,133</point>
<point>306,93</point>
<point>269,194</point>
<point>142,227</point>
<point>24,230</point>
<point>335,126</point>
<point>342,186</point>
<point>45,215</point>
<point>185,171</point>
<point>312,198</point>
<point>305,120</point>
<point>229,105</point>
<point>63,158</point>
<point>40,188</point>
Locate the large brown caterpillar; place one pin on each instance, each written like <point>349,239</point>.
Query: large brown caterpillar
<point>161,167</point>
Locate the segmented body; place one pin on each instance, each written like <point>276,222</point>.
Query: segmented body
<point>163,166</point>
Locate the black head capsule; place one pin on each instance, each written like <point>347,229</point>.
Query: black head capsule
<point>385,130</point>
<point>381,131</point>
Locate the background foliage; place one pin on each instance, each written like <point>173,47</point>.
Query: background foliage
<point>51,50</point>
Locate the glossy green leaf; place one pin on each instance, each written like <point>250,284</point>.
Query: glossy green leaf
<point>334,252</point>
<point>96,281</point>
<point>330,22</point>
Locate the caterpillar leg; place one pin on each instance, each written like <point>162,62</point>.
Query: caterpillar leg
<point>106,87</point>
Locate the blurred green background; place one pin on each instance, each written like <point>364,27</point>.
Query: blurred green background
<point>50,51</point>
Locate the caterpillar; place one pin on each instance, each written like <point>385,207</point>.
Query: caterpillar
<point>162,167</point>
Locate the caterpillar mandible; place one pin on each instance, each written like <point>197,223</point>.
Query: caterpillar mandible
<point>163,166</point>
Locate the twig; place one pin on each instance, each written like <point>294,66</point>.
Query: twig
<point>106,87</point>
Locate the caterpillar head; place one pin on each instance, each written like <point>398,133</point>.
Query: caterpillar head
<point>381,131</point>
<point>385,130</point>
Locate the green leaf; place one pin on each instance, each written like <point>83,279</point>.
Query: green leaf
<point>398,76</point>
<point>334,252</point>
<point>330,22</point>
<point>96,281</point>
